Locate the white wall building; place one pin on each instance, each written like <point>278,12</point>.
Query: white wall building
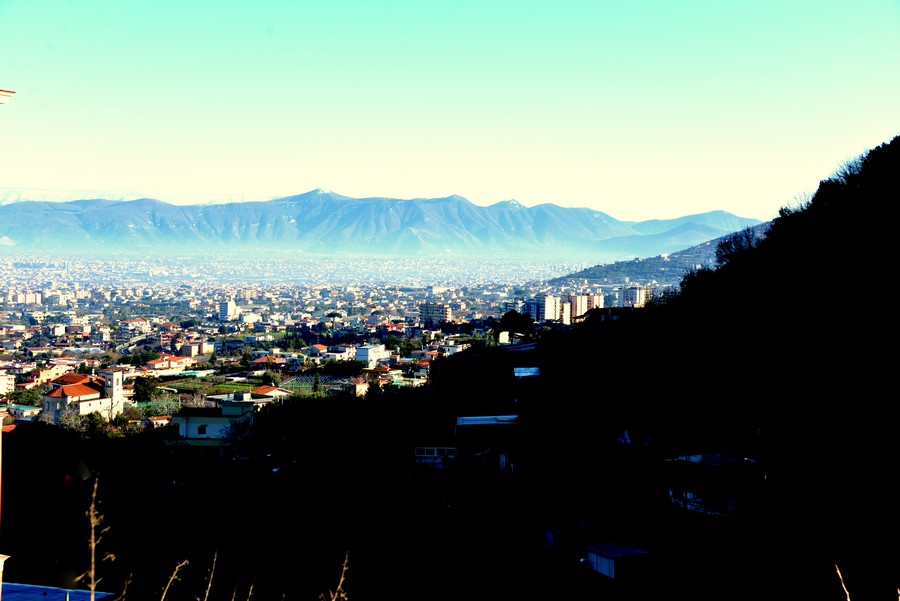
<point>228,310</point>
<point>371,354</point>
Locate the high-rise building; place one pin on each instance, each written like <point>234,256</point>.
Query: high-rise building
<point>546,307</point>
<point>582,303</point>
<point>636,296</point>
<point>434,313</point>
<point>228,310</point>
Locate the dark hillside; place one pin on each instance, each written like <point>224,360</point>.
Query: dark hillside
<point>769,358</point>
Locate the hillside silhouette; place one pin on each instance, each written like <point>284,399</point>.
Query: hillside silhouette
<point>760,383</point>
<point>779,356</point>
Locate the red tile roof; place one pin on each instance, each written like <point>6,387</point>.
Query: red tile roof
<point>264,389</point>
<point>74,390</point>
<point>268,359</point>
<point>71,378</point>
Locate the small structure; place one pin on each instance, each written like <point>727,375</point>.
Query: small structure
<point>613,560</point>
<point>490,439</point>
<point>23,412</point>
<point>213,426</point>
<point>438,457</point>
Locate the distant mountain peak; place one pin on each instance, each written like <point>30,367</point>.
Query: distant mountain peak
<point>509,204</point>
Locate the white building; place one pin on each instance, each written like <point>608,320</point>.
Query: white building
<point>228,310</point>
<point>7,382</point>
<point>84,394</point>
<point>371,354</point>
<point>545,307</point>
<point>636,296</point>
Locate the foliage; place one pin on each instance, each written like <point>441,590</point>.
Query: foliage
<point>146,388</point>
<point>342,368</point>
<point>30,397</point>
<point>736,245</point>
<point>139,358</point>
<point>271,378</point>
<point>69,419</point>
<point>514,323</point>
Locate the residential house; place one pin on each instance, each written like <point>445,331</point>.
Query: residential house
<point>372,354</point>
<point>269,362</point>
<point>271,391</point>
<point>358,386</point>
<point>212,426</point>
<point>169,364</point>
<point>156,421</point>
<point>24,412</point>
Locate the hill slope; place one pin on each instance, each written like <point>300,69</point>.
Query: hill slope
<point>665,270</point>
<point>757,359</point>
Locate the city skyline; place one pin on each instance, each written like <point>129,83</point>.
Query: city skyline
<point>642,113</point>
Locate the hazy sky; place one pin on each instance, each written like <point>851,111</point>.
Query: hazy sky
<point>643,110</point>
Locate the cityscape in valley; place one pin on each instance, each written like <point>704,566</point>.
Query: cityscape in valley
<point>502,427</point>
<point>64,314</point>
<point>560,335</point>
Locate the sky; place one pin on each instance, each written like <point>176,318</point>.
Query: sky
<point>641,110</point>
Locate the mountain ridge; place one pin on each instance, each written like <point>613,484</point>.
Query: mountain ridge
<point>320,222</point>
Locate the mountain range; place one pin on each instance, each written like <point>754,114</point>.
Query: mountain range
<point>325,223</point>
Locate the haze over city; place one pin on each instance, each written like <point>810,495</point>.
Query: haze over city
<point>643,111</point>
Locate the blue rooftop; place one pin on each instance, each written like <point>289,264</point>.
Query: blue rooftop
<point>33,592</point>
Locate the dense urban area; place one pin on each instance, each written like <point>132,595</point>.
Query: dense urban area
<point>61,315</point>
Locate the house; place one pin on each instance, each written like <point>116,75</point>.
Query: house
<point>138,325</point>
<point>615,561</point>
<point>269,362</point>
<point>271,391</point>
<point>212,426</point>
<point>358,386</point>
<point>156,421</point>
<point>316,350</point>
<point>169,364</point>
<point>372,354</point>
<point>383,374</point>
<point>47,374</point>
<point>495,440</point>
<point>24,412</point>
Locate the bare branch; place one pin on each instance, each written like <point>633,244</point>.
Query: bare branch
<point>172,579</point>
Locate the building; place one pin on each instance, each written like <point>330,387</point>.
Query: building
<point>544,307</point>
<point>434,313</point>
<point>371,354</point>
<point>636,296</point>
<point>212,426</point>
<point>7,382</point>
<point>582,303</point>
<point>228,310</point>
<point>86,393</point>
